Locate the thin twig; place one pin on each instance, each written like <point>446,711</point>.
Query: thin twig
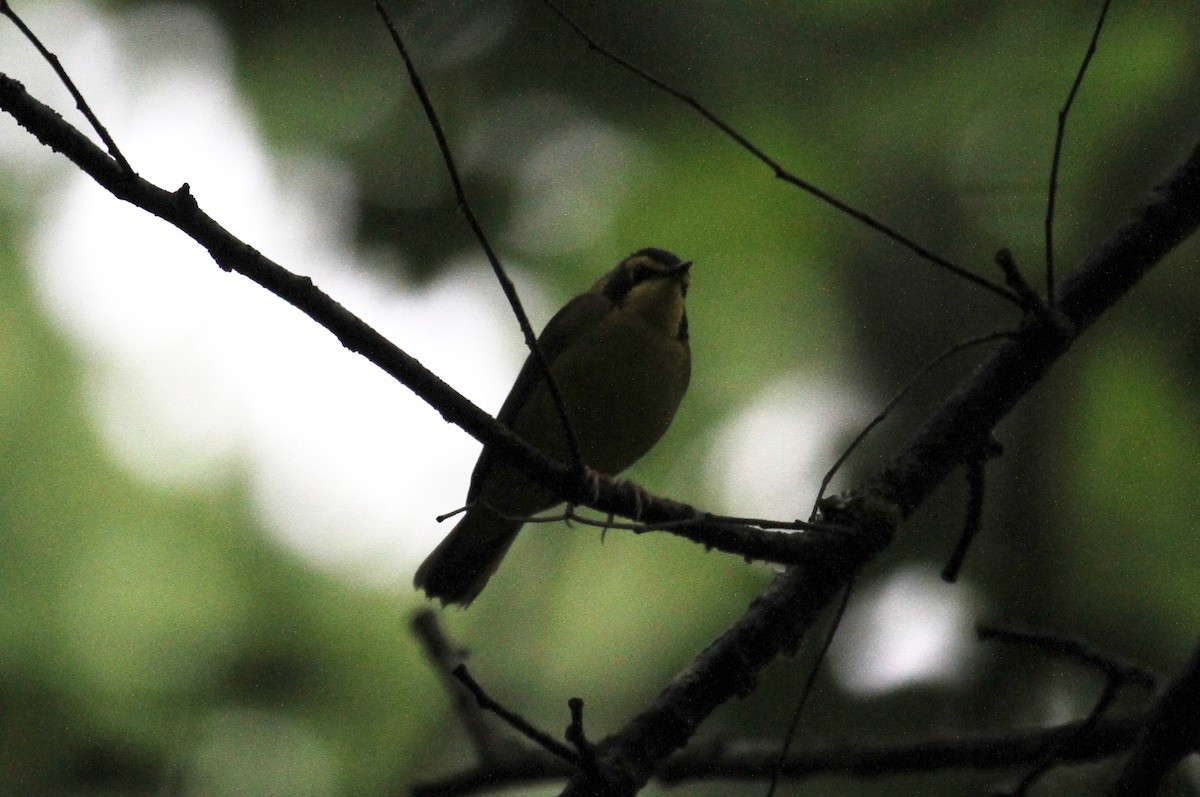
<point>780,172</point>
<point>896,399</point>
<point>7,10</point>
<point>1010,748</point>
<point>794,723</point>
<point>506,284</point>
<point>752,539</point>
<point>676,525</point>
<point>445,656</point>
<point>1079,650</point>
<point>1053,753</point>
<point>974,517</point>
<point>578,737</point>
<point>1059,135</point>
<point>515,720</point>
<point>1117,672</point>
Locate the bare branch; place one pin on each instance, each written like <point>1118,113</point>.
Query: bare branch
<point>784,612</point>
<point>798,711</point>
<point>754,760</point>
<point>1107,663</point>
<point>515,720</point>
<point>981,751</point>
<point>76,95</point>
<point>180,209</point>
<point>1171,731</point>
<point>976,469</point>
<point>962,345</point>
<point>445,656</point>
<point>506,284</point>
<point>780,172</point>
<point>1059,136</point>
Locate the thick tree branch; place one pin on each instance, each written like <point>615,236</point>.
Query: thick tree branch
<point>1171,214</point>
<point>1170,732</point>
<point>778,619</point>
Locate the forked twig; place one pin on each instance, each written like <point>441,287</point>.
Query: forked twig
<point>515,720</point>
<point>1116,670</point>
<point>80,102</point>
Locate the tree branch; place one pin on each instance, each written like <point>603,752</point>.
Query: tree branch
<point>777,621</point>
<point>754,760</point>
<point>1170,732</point>
<point>180,209</point>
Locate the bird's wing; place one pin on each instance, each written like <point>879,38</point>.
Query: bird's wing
<point>578,315</point>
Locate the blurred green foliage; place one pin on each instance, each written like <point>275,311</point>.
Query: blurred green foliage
<point>148,637</point>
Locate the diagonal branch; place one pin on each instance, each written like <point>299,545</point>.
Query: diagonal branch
<point>1171,731</point>
<point>180,209</point>
<point>780,172</point>
<point>777,621</point>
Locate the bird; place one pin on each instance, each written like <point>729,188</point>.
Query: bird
<point>620,357</point>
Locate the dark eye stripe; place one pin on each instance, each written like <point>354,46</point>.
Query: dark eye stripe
<point>642,272</point>
<point>619,286</point>
<point>642,265</point>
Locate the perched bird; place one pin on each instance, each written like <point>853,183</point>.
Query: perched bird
<point>619,355</point>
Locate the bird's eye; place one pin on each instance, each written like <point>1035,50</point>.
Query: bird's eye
<point>619,284</point>
<point>642,273</point>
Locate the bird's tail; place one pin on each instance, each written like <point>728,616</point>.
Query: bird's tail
<point>459,568</point>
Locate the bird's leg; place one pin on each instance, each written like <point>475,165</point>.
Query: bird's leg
<point>637,503</point>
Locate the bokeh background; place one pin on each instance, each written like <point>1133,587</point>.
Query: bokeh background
<point>210,513</point>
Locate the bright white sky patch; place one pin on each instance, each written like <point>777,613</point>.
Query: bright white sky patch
<point>913,628</point>
<point>196,376</point>
<point>769,459</point>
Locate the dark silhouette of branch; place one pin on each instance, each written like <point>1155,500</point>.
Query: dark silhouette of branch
<point>973,520</point>
<point>780,172</point>
<point>1117,673</point>
<point>180,209</point>
<point>1107,663</point>
<point>883,414</point>
<point>1170,732</point>
<point>747,760</point>
<point>1032,303</point>
<point>1059,136</point>
<point>981,751</point>
<point>789,735</point>
<point>513,719</point>
<point>777,621</point>
<point>506,284</point>
<point>76,95</point>
<point>578,737</point>
<point>444,656</point>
